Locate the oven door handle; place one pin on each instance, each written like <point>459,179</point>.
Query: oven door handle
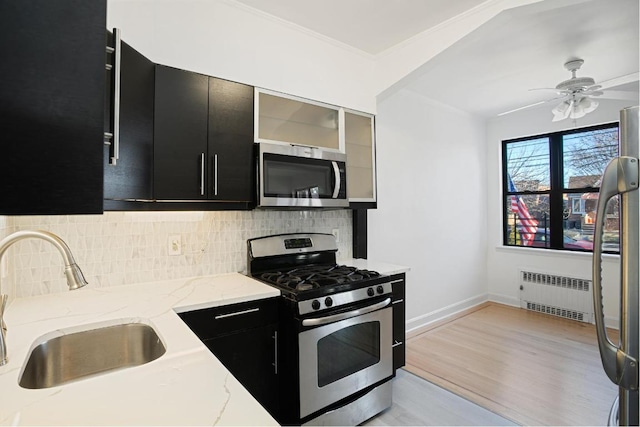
<point>341,316</point>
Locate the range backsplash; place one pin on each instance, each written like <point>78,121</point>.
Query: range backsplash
<point>133,247</point>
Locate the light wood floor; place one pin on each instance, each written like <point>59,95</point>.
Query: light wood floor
<point>417,402</point>
<point>531,368</point>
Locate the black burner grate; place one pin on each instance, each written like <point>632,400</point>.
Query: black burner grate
<point>316,276</point>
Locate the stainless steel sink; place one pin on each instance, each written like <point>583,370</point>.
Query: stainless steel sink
<point>91,352</point>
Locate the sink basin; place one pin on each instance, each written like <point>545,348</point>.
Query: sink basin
<point>91,352</point>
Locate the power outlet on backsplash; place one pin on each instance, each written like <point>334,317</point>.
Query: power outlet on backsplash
<point>175,245</point>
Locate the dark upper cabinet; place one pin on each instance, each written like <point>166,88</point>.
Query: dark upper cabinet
<point>231,141</point>
<point>52,86</point>
<point>203,138</point>
<point>131,175</point>
<point>180,134</point>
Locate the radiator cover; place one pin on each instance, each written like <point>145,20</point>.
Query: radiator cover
<point>563,296</point>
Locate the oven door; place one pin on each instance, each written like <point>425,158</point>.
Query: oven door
<point>292,176</point>
<point>340,358</point>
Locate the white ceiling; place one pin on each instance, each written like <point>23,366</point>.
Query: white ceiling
<point>493,68</point>
<point>369,25</point>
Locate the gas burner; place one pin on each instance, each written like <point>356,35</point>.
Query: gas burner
<point>308,277</point>
<point>305,286</point>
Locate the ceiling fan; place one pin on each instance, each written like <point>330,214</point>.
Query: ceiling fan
<point>576,95</point>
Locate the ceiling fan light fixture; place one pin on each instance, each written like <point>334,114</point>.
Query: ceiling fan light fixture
<point>588,104</point>
<point>573,109</point>
<point>561,111</point>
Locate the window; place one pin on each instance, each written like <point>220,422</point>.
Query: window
<point>550,187</point>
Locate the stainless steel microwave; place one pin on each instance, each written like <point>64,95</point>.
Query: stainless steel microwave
<point>301,177</point>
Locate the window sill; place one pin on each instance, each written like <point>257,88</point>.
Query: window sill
<point>554,253</point>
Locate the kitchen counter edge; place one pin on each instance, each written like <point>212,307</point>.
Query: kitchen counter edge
<point>186,386</point>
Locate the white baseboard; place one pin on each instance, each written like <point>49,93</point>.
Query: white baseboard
<point>505,299</point>
<point>424,320</point>
<point>442,313</point>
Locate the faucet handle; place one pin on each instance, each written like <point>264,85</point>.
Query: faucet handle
<point>3,304</point>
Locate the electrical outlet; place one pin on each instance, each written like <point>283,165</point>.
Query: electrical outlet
<point>175,245</point>
<point>336,233</point>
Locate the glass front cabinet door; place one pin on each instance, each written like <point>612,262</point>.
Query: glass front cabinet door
<point>360,145</point>
<point>292,120</point>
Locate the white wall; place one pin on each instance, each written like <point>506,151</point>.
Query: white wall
<point>431,212</point>
<point>225,39</point>
<point>503,263</point>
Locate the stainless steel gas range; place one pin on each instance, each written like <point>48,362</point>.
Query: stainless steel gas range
<point>335,340</point>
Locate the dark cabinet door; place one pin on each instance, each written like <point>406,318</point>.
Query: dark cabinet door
<point>250,356</point>
<point>399,322</point>
<point>230,145</point>
<point>52,86</point>
<point>180,134</point>
<point>131,176</point>
<point>243,337</point>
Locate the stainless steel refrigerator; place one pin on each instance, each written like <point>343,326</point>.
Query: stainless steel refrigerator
<point>620,360</point>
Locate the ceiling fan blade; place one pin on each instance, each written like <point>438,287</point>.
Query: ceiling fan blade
<point>594,93</point>
<point>621,95</point>
<point>628,78</point>
<point>594,87</point>
<point>531,105</point>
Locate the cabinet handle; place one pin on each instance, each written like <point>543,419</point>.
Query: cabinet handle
<point>397,281</point>
<point>397,343</point>
<point>237,313</point>
<point>275,360</point>
<point>398,301</point>
<point>109,50</point>
<point>215,176</point>
<point>202,155</point>
<point>113,139</point>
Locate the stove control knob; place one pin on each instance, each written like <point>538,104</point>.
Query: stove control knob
<point>379,289</point>
<point>370,292</point>
<point>315,304</point>
<point>328,301</point>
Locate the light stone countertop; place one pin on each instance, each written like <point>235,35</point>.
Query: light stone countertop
<point>380,267</point>
<point>186,386</point>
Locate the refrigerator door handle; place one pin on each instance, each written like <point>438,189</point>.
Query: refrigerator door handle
<point>620,176</point>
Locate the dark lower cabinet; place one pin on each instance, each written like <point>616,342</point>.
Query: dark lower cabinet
<point>130,177</point>
<point>244,337</point>
<point>399,322</point>
<point>203,139</point>
<point>52,86</point>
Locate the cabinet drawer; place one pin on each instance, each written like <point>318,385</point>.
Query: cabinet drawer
<point>216,321</point>
<point>398,282</point>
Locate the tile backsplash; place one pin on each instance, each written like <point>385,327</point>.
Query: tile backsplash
<point>133,247</point>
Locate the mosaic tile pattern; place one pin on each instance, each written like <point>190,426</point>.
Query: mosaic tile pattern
<point>133,247</point>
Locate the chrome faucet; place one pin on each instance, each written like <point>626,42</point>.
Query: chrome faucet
<point>75,278</point>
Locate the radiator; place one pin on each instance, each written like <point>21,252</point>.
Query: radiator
<point>562,296</point>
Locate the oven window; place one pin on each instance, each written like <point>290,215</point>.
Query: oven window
<point>295,177</point>
<point>348,351</point>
